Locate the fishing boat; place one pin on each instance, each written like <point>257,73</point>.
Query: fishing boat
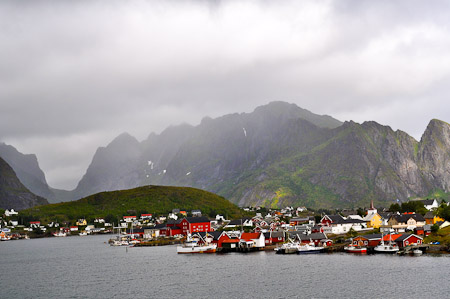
<point>194,246</point>
<point>355,249</point>
<point>59,234</point>
<point>288,248</point>
<point>389,247</point>
<point>310,248</point>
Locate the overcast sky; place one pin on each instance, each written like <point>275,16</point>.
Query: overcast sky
<point>75,74</point>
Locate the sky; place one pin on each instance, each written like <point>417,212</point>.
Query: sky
<point>76,74</point>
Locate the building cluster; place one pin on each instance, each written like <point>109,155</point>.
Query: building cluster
<point>275,226</point>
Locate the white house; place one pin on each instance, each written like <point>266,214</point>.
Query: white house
<point>172,216</point>
<point>220,218</point>
<point>252,240</point>
<point>336,224</point>
<point>9,213</point>
<point>430,204</point>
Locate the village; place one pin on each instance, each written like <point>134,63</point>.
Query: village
<point>268,229</point>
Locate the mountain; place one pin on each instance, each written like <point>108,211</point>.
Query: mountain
<point>279,155</point>
<point>187,156</point>
<point>13,194</point>
<point>27,169</point>
<point>282,155</point>
<point>158,200</point>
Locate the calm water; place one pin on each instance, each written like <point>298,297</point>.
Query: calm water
<point>86,267</point>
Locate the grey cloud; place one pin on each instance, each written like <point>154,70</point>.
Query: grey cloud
<point>89,70</point>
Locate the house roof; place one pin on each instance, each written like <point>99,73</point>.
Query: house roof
<point>300,219</point>
<point>385,215</point>
<point>197,219</point>
<point>428,202</point>
<point>371,237</point>
<point>338,219</point>
<point>392,237</point>
<point>238,221</point>
<point>406,236</point>
<point>404,217</point>
<point>250,236</point>
<point>267,235</point>
<point>429,215</point>
<point>314,236</point>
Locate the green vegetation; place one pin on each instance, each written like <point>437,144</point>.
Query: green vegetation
<point>442,236</point>
<point>444,211</point>
<point>157,200</point>
<point>410,206</point>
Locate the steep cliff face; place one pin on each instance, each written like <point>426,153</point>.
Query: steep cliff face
<point>434,154</point>
<point>113,168</point>
<point>27,169</point>
<point>13,194</point>
<point>279,155</point>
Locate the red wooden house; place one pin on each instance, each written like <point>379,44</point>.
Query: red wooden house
<point>274,237</point>
<point>408,239</point>
<point>195,224</point>
<point>367,240</point>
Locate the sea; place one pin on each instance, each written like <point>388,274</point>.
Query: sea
<point>87,267</point>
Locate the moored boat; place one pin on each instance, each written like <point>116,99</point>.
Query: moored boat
<point>288,248</point>
<point>193,246</point>
<point>390,247</point>
<point>59,234</point>
<point>309,248</point>
<point>355,249</point>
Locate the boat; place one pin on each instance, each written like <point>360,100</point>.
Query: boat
<point>355,249</point>
<point>288,248</point>
<point>59,234</point>
<point>389,247</point>
<point>417,252</point>
<point>4,236</point>
<point>193,246</point>
<point>82,234</point>
<point>310,248</point>
<point>120,243</point>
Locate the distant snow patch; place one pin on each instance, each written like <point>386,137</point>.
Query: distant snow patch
<point>245,132</point>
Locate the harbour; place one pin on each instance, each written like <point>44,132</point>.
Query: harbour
<point>87,267</point>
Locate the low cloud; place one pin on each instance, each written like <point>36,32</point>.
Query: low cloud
<point>90,70</point>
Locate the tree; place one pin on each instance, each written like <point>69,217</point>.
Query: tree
<point>434,228</point>
<point>395,207</point>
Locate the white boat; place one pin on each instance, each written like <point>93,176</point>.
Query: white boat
<point>59,234</point>
<point>193,246</point>
<point>417,252</point>
<point>288,248</point>
<point>82,234</point>
<point>309,248</point>
<point>120,243</point>
<point>389,247</point>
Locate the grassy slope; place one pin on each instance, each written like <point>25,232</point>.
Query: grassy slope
<point>157,200</point>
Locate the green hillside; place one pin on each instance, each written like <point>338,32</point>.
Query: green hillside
<point>157,200</point>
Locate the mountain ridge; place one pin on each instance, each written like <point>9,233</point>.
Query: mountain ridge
<point>13,194</point>
<point>278,155</point>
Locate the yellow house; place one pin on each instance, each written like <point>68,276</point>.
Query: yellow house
<point>432,219</point>
<point>373,220</point>
<point>81,222</point>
